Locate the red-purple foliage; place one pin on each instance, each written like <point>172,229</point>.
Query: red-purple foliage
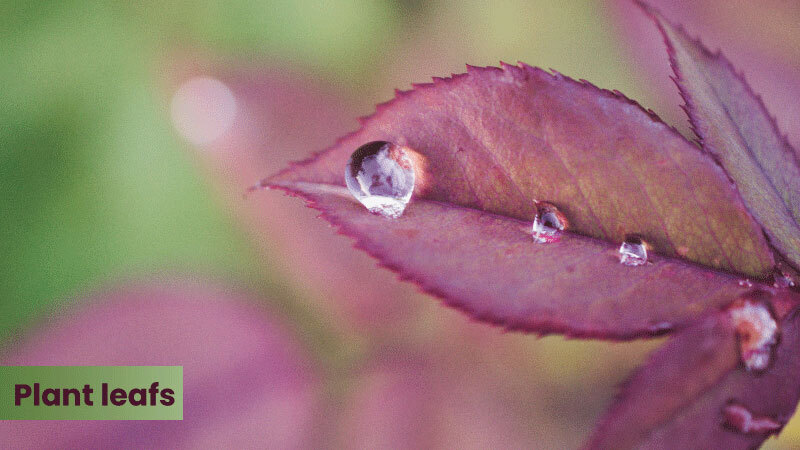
<point>734,126</point>
<point>266,135</point>
<point>245,375</point>
<point>678,399</point>
<point>488,144</point>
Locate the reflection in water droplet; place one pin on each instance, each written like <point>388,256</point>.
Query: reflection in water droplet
<point>783,280</point>
<point>548,223</point>
<point>633,252</point>
<point>757,332</point>
<point>660,327</point>
<point>746,283</point>
<point>739,418</point>
<point>380,176</point>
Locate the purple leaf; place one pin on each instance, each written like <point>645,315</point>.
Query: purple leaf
<point>737,130</point>
<point>695,392</point>
<point>272,125</point>
<point>768,55</point>
<point>487,144</point>
<point>247,381</point>
<point>488,266</point>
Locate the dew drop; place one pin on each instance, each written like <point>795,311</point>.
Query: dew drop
<point>783,280</point>
<point>739,418</point>
<point>380,176</point>
<point>757,332</point>
<point>746,283</point>
<point>548,223</point>
<point>633,252</point>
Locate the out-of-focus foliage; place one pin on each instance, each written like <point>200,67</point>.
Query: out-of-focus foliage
<point>93,180</point>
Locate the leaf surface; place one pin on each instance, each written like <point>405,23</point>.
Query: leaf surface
<point>737,130</point>
<point>492,141</point>
<point>274,107</point>
<point>487,265</point>
<point>768,55</point>
<point>677,399</point>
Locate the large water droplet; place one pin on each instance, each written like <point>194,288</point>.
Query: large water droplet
<point>741,419</point>
<point>380,176</point>
<point>548,223</point>
<point>757,331</point>
<point>633,252</point>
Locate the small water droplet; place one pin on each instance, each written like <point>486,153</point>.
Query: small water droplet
<point>380,176</point>
<point>633,252</point>
<point>783,280</point>
<point>746,283</point>
<point>757,331</point>
<point>548,223</point>
<point>739,418</point>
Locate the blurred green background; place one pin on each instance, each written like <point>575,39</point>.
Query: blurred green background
<point>96,185</point>
<point>94,181</point>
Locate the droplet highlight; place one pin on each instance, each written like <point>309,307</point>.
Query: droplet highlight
<point>548,223</point>
<point>660,327</point>
<point>381,176</point>
<point>633,252</point>
<point>783,280</point>
<point>746,283</point>
<point>740,418</point>
<point>757,332</point>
